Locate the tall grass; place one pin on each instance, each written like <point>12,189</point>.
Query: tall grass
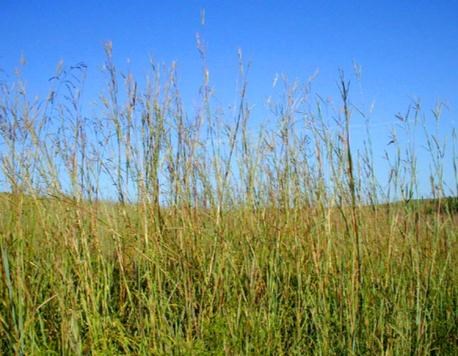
<point>150,229</point>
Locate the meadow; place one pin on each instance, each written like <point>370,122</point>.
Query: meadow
<point>149,229</point>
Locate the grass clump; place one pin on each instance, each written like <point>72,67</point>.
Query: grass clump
<point>209,239</point>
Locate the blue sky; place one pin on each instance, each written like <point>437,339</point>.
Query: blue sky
<point>407,49</point>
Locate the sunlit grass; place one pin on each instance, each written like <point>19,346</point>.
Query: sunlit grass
<point>212,239</point>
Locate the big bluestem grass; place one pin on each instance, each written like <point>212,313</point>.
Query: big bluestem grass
<point>150,229</point>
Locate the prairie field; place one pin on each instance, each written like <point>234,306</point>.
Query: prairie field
<point>152,228</point>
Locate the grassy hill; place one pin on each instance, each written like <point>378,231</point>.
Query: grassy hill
<point>79,277</point>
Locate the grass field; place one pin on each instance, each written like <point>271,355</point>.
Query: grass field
<point>212,239</point>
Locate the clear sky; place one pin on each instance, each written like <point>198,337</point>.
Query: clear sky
<point>407,49</point>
